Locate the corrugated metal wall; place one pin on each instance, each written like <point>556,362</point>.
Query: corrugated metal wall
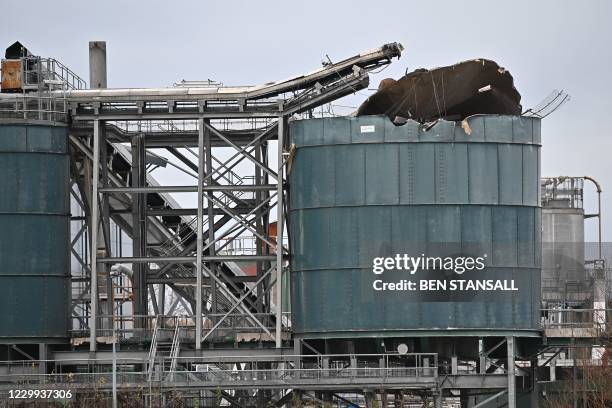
<point>34,233</point>
<point>362,188</point>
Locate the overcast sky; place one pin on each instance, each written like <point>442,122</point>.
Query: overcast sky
<point>544,44</point>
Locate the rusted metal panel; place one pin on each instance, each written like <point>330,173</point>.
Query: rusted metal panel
<point>11,75</point>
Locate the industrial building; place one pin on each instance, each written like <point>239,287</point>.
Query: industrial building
<point>209,245</point>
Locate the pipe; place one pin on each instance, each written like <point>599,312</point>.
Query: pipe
<point>599,190</point>
<point>347,68</point>
<point>120,269</point>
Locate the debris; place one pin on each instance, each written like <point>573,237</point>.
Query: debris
<point>453,93</point>
<point>466,127</point>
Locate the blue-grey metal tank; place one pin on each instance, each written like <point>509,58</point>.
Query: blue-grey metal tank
<point>362,188</point>
<point>34,233</point>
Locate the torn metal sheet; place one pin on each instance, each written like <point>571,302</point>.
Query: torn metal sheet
<point>454,92</point>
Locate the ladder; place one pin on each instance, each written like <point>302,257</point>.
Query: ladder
<point>153,348</point>
<point>174,351</point>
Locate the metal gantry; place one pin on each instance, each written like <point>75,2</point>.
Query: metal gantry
<point>188,249</point>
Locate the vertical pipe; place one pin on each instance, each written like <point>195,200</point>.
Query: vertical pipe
<point>199,242</point>
<point>94,237</point>
<point>511,374</point>
<point>599,219</point>
<point>279,234</point>
<point>598,189</point>
<point>97,64</point>
<point>114,368</point>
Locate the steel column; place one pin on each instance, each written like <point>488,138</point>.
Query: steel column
<point>139,232</point>
<point>199,233</point>
<point>279,234</point>
<point>511,374</point>
<point>94,237</point>
<point>106,306</point>
<point>259,247</point>
<point>210,214</point>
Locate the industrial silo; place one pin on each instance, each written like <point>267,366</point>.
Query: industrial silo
<point>564,278</point>
<point>34,233</point>
<point>363,188</point>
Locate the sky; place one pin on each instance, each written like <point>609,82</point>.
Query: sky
<point>546,45</point>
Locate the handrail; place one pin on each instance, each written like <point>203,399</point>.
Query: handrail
<point>153,350</point>
<point>174,351</point>
<point>37,70</point>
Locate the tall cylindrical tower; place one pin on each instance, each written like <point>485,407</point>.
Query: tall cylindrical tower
<point>364,189</point>
<point>34,233</point>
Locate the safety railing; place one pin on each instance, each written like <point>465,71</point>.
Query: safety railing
<point>49,73</point>
<point>245,245</point>
<point>34,107</point>
<point>597,320</point>
<point>189,125</point>
<point>208,371</point>
<point>568,189</point>
<point>214,378</point>
<point>294,376</point>
<point>137,328</point>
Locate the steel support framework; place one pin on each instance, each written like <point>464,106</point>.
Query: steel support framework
<point>206,188</point>
<point>243,120</point>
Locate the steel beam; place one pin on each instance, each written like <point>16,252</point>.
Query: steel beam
<point>192,279</point>
<point>186,189</point>
<point>187,259</point>
<point>491,398</point>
